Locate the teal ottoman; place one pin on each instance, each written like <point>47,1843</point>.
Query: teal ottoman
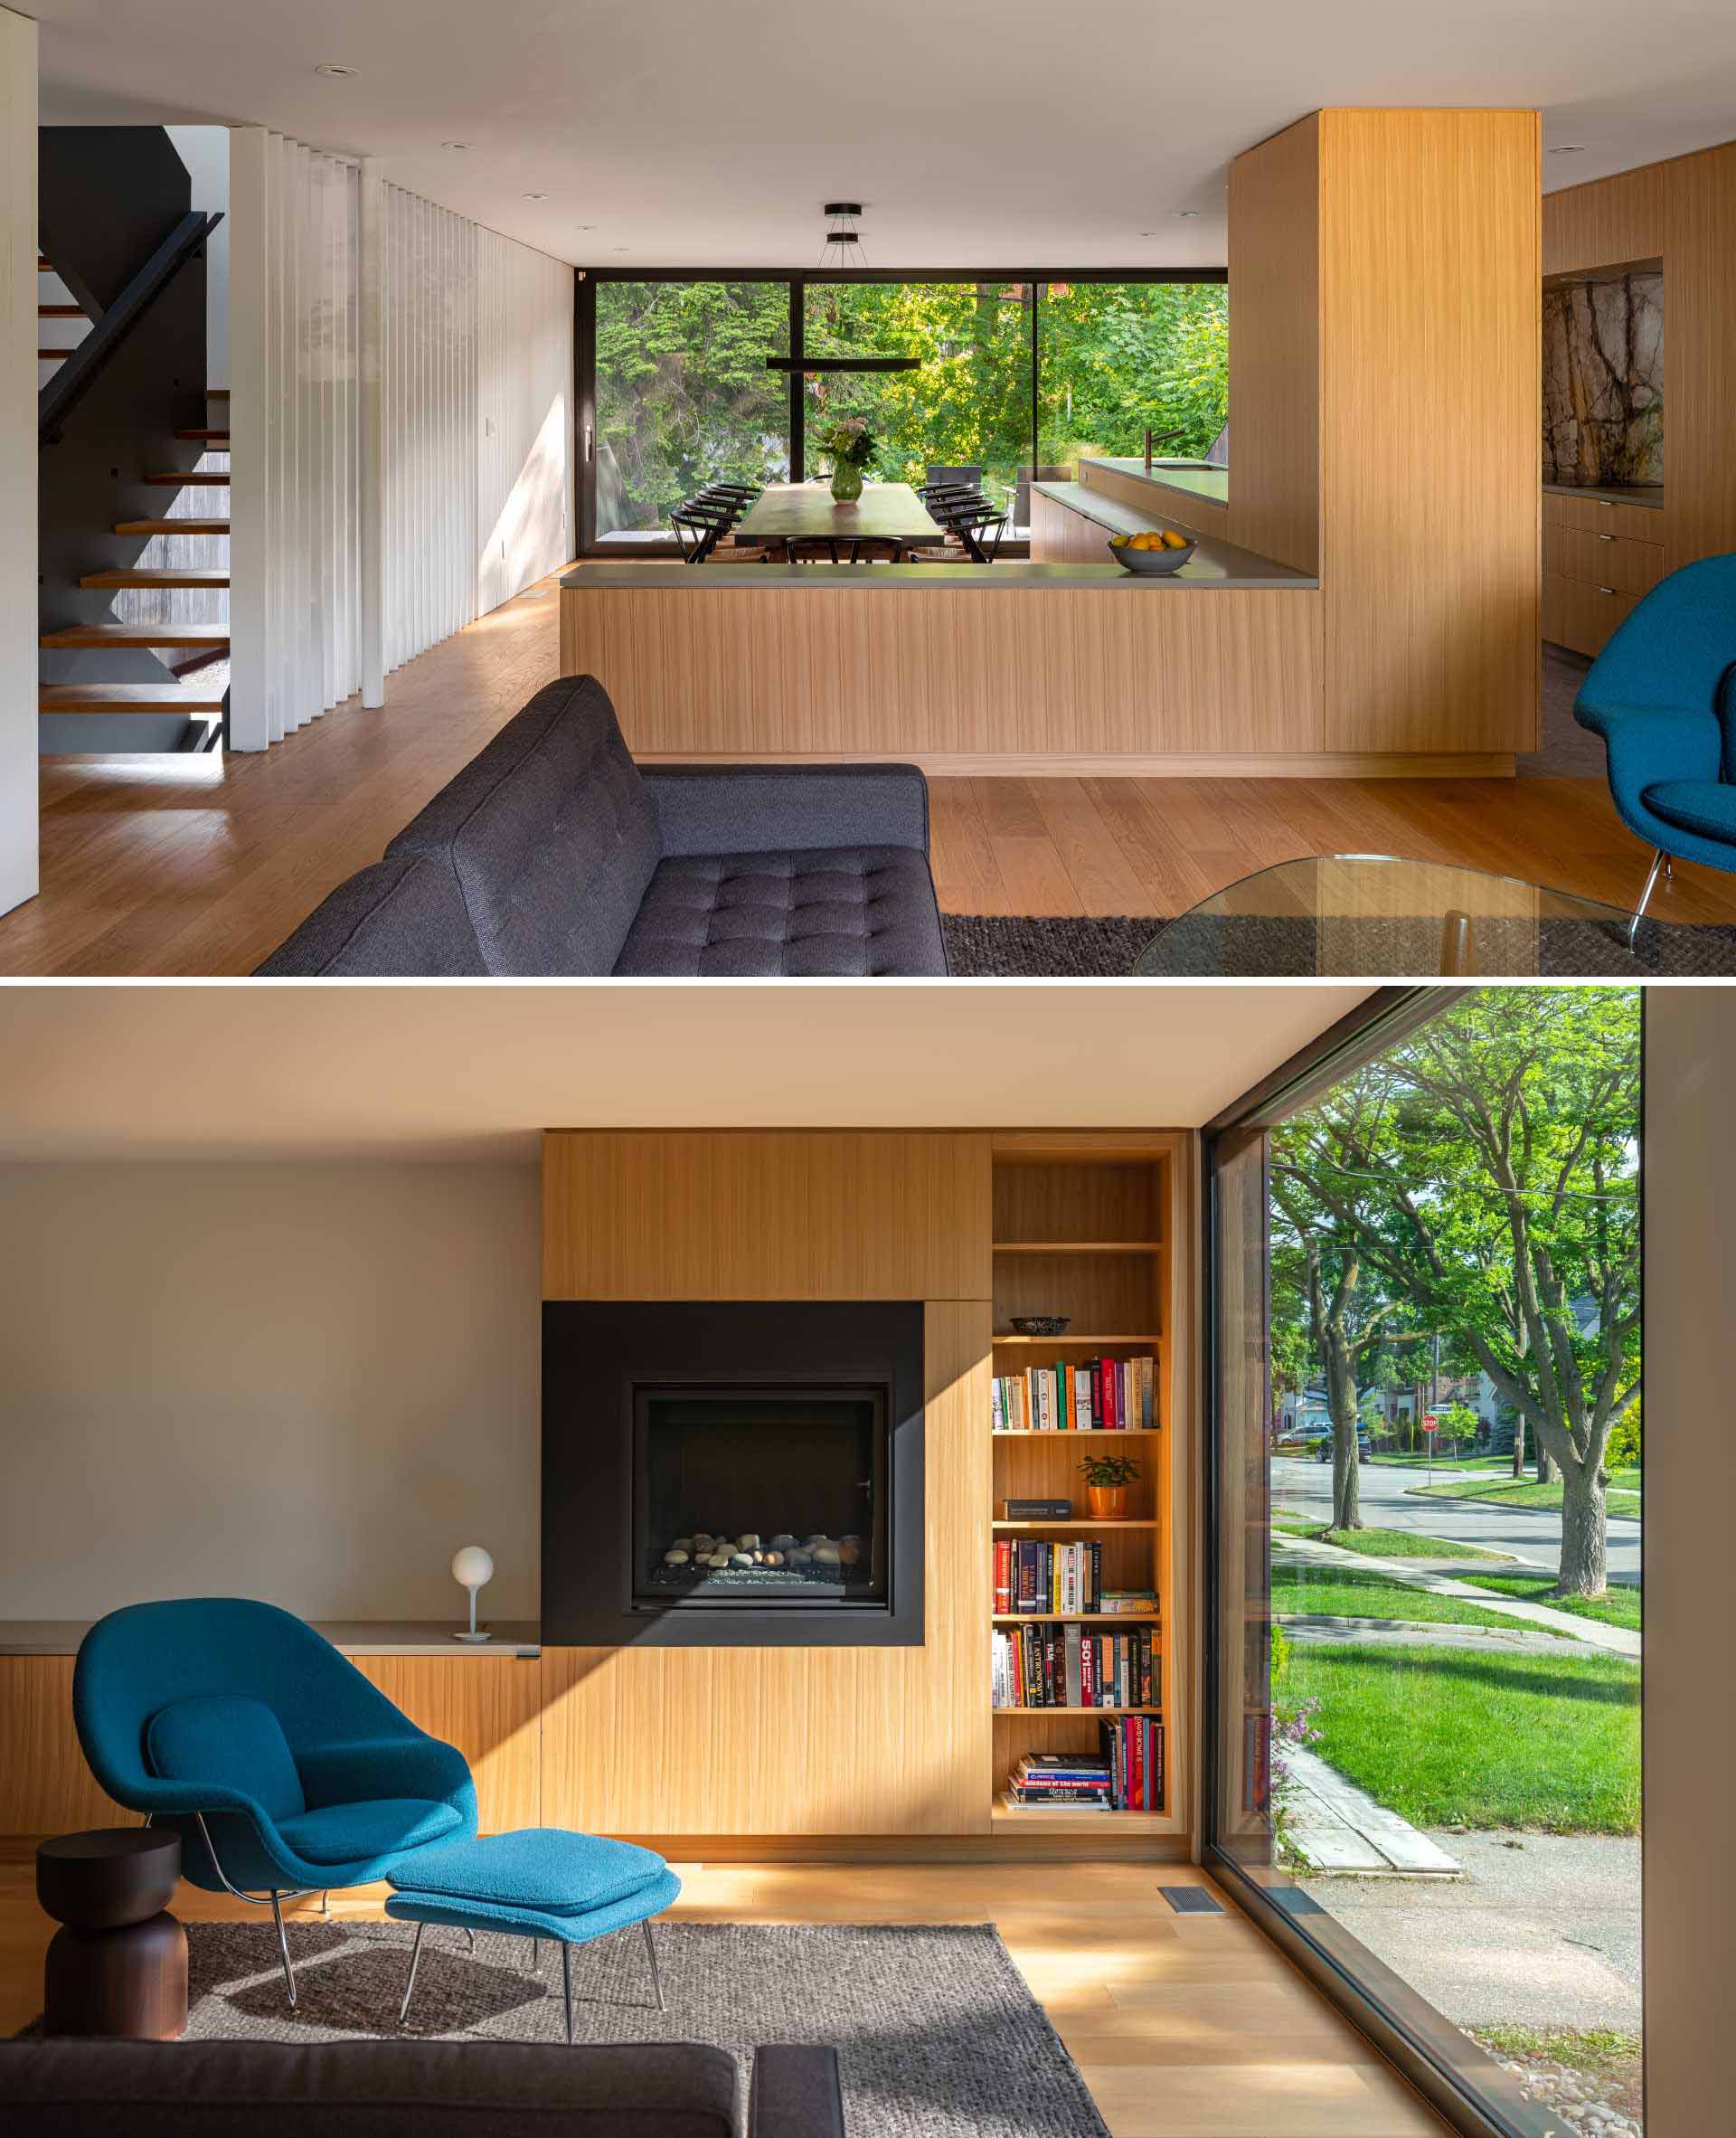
<point>542,1882</point>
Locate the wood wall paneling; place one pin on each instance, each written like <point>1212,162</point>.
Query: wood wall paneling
<point>1606,223</point>
<point>805,1742</point>
<point>947,673</point>
<point>1275,379</point>
<point>1431,444</point>
<point>1699,354</point>
<point>715,1214</point>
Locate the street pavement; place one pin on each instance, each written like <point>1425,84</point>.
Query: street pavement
<point>1533,1536</point>
<point>1541,1933</point>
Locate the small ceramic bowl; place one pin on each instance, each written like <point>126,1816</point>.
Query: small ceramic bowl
<point>1155,561</point>
<point>1042,1324</point>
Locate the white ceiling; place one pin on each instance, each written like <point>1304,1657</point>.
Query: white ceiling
<point>977,133</point>
<point>457,1072</point>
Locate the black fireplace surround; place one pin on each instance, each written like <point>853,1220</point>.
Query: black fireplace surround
<point>733,1472</point>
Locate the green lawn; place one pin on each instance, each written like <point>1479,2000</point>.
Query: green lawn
<point>1388,1543</point>
<point>1442,1460</point>
<point>1623,1497</point>
<point>1450,1737</point>
<point>1620,1607</point>
<point>1360,1593</point>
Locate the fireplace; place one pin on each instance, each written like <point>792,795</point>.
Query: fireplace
<point>720,1474</point>
<point>733,1471</point>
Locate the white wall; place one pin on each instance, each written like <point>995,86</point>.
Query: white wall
<point>18,337</point>
<point>307,1383</point>
<point>1690,1713</point>
<point>204,150</point>
<point>524,515</point>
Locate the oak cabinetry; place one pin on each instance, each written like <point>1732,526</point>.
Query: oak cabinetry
<point>1612,561</point>
<point>1581,616</point>
<point>1606,515</point>
<point>1599,556</point>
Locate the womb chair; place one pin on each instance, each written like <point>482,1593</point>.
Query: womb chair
<point>1662,693</point>
<point>282,1768</point>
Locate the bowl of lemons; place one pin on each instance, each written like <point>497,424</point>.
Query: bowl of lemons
<point>1157,550</point>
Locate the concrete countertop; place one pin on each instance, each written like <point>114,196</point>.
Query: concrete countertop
<point>517,1636</point>
<point>1212,564</point>
<point>1651,495</point>
<point>1192,479</point>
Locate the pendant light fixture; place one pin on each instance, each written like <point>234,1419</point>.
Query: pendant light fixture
<point>843,246</point>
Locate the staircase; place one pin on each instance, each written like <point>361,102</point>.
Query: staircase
<point>134,633</point>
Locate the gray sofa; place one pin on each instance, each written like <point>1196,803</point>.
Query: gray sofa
<point>552,854</point>
<point>408,2089</point>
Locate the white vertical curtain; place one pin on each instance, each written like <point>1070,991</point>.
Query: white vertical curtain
<point>475,499</point>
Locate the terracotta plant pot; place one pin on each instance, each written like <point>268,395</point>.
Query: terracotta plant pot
<point>1108,1502</point>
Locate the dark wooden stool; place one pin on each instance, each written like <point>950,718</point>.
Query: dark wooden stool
<point>119,1964</point>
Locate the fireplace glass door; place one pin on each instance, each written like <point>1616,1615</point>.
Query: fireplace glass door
<point>759,1495</point>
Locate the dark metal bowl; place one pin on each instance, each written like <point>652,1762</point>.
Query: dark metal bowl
<point>1042,1324</point>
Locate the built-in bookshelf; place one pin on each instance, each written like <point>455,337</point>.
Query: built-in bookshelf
<point>1083,1225</point>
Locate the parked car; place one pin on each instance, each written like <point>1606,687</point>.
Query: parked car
<point>1364,1446</point>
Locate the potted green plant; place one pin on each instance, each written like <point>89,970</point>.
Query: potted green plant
<point>1107,1480</point>
<point>852,445</point>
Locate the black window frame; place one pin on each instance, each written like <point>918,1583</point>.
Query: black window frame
<point>584,342</point>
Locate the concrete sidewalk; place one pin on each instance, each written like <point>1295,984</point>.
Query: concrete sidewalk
<point>1613,1640</point>
<point>1336,1826</point>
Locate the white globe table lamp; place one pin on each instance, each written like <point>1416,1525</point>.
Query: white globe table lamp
<point>471,1568</point>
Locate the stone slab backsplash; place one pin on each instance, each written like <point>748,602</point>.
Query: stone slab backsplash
<point>1603,381</point>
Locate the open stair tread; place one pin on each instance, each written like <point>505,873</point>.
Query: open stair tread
<point>210,436</point>
<point>157,576</point>
<point>172,527</point>
<point>125,697</point>
<point>61,312</point>
<point>194,479</point>
<point>133,634</point>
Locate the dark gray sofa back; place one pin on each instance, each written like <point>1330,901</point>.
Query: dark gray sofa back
<point>403,917</point>
<point>370,2089</point>
<point>550,835</point>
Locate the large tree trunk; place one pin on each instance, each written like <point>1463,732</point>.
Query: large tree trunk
<point>1341,1395</point>
<point>1519,1445</point>
<point>1584,1531</point>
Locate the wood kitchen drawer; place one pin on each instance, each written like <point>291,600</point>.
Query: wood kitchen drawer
<point>1611,561</point>
<point>1580,616</point>
<point>1597,515</point>
<point>1554,509</point>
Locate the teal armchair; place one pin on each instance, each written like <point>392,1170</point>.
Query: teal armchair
<point>1662,693</point>
<point>282,1768</point>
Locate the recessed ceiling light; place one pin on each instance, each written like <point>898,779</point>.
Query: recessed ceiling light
<point>337,73</point>
<point>455,145</point>
<point>584,226</point>
<point>1568,148</point>
<point>536,196</point>
<point>1183,215</point>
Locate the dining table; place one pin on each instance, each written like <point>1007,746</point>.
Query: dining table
<point>885,512</point>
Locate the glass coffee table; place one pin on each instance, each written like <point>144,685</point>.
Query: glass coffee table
<point>1351,915</point>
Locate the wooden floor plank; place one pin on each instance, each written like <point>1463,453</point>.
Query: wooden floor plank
<point>1169,2045</point>
<point>194,866</point>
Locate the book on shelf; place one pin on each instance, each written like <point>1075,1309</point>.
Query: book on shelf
<point>1060,1782</point>
<point>1073,1666</point>
<point>1047,1578</point>
<point>1128,1602</point>
<point>1036,1510</point>
<point>1133,1749</point>
<point>1077,1395</point>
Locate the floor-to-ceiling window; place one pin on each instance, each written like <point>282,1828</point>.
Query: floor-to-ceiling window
<point>1014,379</point>
<point>682,396</point>
<point>1426,1525</point>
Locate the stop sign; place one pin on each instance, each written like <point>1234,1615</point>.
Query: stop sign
<point>1429,1421</point>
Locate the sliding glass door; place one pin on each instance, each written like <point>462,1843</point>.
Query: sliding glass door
<point>1424,1543</point>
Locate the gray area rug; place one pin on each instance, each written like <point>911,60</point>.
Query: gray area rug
<point>937,2034</point>
<point>1206,946</point>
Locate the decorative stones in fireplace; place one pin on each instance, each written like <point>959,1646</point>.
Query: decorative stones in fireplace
<point>735,1471</point>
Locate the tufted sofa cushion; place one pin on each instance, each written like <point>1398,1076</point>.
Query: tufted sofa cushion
<point>550,834</point>
<point>859,912</point>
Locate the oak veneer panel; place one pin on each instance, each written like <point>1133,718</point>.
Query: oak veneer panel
<point>1611,561</point>
<point>1699,354</point>
<point>1431,428</point>
<point>805,1742</point>
<point>1603,515</point>
<point>1607,223</point>
<point>1275,349</point>
<point>720,1214</point>
<point>46,1786</point>
<point>490,1709</point>
<point>946,672</point>
<point>1058,535</point>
